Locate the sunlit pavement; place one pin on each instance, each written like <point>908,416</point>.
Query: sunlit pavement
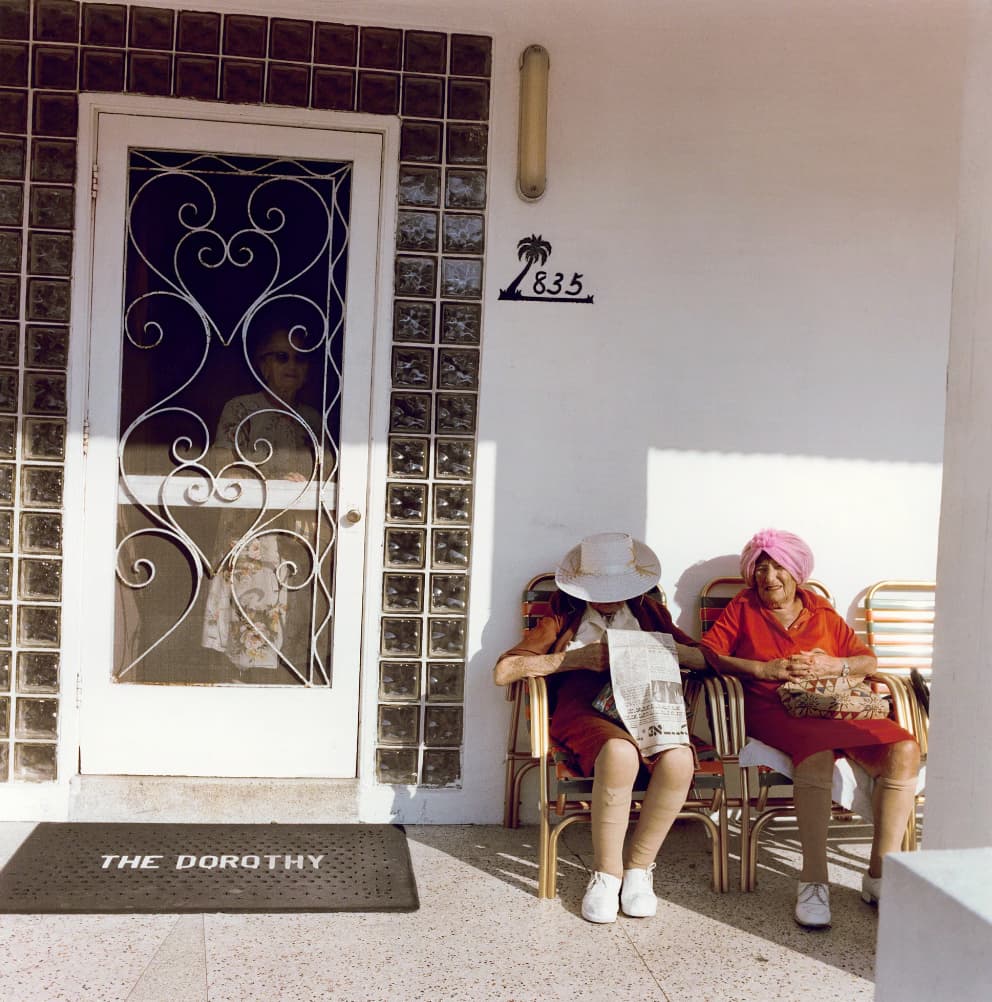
<point>480,933</point>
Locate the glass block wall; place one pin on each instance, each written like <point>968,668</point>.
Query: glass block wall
<point>438,85</point>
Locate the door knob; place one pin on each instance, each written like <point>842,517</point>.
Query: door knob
<point>353,516</point>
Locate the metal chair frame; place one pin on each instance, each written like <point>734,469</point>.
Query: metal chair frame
<point>726,700</point>
<point>571,799</point>
<point>519,757</point>
<point>899,628</point>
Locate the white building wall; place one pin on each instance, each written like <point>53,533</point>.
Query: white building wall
<point>762,198</point>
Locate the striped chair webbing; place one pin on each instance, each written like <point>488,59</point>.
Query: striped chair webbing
<point>537,599</point>
<point>715,597</point>
<point>710,607</point>
<point>899,621</point>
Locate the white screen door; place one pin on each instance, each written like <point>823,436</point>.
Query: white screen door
<point>230,368</point>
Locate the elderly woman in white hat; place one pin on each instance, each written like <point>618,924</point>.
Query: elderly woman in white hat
<point>602,585</point>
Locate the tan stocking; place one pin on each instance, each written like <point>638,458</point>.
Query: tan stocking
<point>613,782</point>
<point>892,802</point>
<point>664,799</point>
<point>812,779</point>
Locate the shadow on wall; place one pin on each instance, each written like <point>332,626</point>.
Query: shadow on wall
<point>856,613</point>
<point>556,482</point>
<point>691,582</point>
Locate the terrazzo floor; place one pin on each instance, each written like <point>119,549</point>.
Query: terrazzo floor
<point>480,934</point>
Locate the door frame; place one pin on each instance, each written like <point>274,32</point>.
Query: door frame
<point>73,646</point>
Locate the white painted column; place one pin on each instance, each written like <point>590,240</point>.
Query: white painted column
<point>935,928</point>
<point>959,807</point>
<point>936,907</point>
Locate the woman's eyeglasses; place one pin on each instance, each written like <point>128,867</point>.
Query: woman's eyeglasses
<point>282,357</point>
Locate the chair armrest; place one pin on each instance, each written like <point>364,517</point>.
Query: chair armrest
<point>906,709</point>
<point>540,737</point>
<point>898,692</point>
<point>725,702</point>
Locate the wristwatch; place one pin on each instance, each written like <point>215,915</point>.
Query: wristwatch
<point>845,670</point>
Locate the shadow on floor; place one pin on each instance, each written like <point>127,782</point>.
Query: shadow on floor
<point>682,879</point>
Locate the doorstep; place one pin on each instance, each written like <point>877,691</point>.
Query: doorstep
<point>204,800</point>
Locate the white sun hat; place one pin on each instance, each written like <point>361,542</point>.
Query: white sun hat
<point>608,567</point>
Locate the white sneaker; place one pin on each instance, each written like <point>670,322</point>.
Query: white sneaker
<point>602,898</point>
<point>637,897</point>
<point>871,889</point>
<point>813,905</point>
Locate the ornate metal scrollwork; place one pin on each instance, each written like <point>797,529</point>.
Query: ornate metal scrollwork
<point>228,256</point>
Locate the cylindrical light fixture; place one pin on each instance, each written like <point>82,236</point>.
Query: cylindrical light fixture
<point>532,138</point>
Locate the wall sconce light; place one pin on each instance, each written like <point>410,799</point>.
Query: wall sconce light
<point>532,137</point>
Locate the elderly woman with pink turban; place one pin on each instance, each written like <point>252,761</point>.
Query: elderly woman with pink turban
<point>776,631</point>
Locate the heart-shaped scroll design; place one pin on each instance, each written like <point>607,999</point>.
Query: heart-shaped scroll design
<point>227,279</point>
<point>203,250</point>
<point>188,486</point>
<point>139,572</point>
<point>223,249</point>
<point>231,490</point>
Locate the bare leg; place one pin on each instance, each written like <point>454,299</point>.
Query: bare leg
<point>614,773</point>
<point>812,779</point>
<point>664,799</point>
<point>895,768</point>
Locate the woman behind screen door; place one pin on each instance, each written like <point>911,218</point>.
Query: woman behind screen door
<point>254,613</point>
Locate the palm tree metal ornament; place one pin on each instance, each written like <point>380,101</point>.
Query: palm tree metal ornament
<point>536,250</point>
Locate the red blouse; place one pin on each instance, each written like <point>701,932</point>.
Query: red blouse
<point>746,629</point>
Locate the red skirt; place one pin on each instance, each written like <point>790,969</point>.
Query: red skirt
<point>767,720</point>
<point>582,729</point>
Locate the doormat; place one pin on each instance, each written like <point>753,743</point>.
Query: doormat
<point>160,868</point>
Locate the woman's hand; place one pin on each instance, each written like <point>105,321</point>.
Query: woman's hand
<point>778,670</point>
<point>592,657</point>
<point>690,657</point>
<point>809,665</point>
<point>799,667</point>
<point>816,663</point>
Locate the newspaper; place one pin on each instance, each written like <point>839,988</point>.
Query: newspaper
<point>647,688</point>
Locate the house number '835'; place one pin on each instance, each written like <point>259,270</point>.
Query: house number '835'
<point>542,288</point>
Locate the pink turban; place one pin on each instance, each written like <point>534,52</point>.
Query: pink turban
<point>784,548</point>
